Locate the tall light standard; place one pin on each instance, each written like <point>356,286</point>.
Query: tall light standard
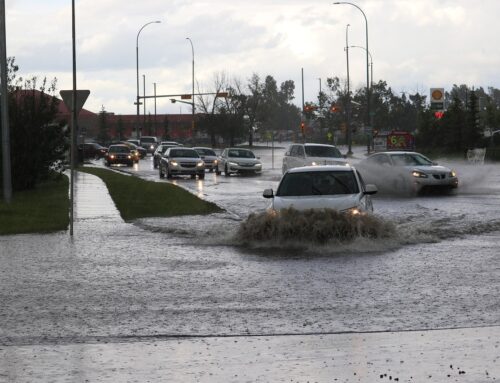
<point>371,77</point>
<point>348,101</point>
<point>192,78</point>
<point>371,64</point>
<point>137,69</point>
<point>368,111</point>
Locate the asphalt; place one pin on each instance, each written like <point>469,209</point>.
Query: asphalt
<point>445,355</point>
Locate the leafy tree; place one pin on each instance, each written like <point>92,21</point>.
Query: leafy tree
<point>38,137</point>
<point>120,128</point>
<point>103,126</point>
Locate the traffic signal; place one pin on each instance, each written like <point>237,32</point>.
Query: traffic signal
<point>310,108</point>
<point>334,108</point>
<point>439,114</point>
<point>302,127</point>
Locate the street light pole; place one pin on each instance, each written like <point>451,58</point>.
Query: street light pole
<point>4,107</point>
<point>348,106</point>
<point>154,86</point>
<point>192,79</point>
<point>143,102</point>
<point>368,109</point>
<point>137,75</point>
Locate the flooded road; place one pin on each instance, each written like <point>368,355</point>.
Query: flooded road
<point>187,276</point>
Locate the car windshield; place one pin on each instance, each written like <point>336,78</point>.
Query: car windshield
<point>119,149</point>
<point>240,153</point>
<point>318,183</point>
<point>148,139</point>
<point>410,159</point>
<point>186,153</point>
<point>322,151</point>
<point>206,152</point>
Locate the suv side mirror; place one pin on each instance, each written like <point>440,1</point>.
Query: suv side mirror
<point>370,189</point>
<point>268,193</point>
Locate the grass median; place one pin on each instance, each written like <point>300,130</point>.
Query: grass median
<point>137,198</point>
<point>43,209</point>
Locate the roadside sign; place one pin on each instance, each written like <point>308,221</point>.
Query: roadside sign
<point>185,97</point>
<point>81,97</point>
<point>437,98</point>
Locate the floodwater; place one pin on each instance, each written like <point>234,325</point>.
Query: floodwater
<point>145,282</point>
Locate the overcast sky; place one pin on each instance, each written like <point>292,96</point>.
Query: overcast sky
<point>415,44</point>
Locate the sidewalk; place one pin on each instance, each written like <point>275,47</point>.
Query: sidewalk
<point>92,200</point>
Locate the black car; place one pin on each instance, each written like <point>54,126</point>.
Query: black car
<point>119,154</point>
<point>91,150</point>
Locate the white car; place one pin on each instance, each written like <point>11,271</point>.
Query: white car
<point>178,160</point>
<point>208,156</point>
<point>311,155</point>
<point>238,160</point>
<point>406,172</point>
<point>338,187</point>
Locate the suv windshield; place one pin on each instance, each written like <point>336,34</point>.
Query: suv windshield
<point>119,149</point>
<point>318,183</point>
<point>322,151</point>
<point>149,140</point>
<point>186,153</point>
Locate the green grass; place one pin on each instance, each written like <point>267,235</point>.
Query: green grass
<point>137,198</point>
<point>43,209</point>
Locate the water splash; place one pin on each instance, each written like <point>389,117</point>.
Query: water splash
<point>313,226</point>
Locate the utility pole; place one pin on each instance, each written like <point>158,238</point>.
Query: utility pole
<point>6,168</point>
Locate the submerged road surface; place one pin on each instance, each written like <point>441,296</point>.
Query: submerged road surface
<point>90,305</point>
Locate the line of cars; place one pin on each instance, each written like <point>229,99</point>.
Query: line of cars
<point>173,160</point>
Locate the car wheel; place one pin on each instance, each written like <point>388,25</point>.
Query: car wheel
<point>161,173</point>
<point>201,176</point>
<point>107,163</point>
<point>96,157</point>
<point>226,172</point>
<point>169,175</point>
<point>155,165</point>
<point>217,171</point>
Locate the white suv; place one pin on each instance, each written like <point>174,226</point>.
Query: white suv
<point>298,155</point>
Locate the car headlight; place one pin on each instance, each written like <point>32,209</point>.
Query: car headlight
<point>352,211</point>
<point>233,164</point>
<point>200,163</point>
<point>174,163</point>
<point>129,157</point>
<point>418,174</point>
<point>258,165</point>
<point>453,173</point>
<point>112,157</point>
<point>216,162</point>
<point>314,163</point>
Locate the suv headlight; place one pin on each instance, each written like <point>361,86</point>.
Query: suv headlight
<point>200,163</point>
<point>352,211</point>
<point>174,163</point>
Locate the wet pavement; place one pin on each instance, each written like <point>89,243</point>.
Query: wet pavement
<point>177,300</point>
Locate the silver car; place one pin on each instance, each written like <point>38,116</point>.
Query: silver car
<point>338,187</point>
<point>406,172</point>
<point>208,156</point>
<point>181,161</point>
<point>237,160</point>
